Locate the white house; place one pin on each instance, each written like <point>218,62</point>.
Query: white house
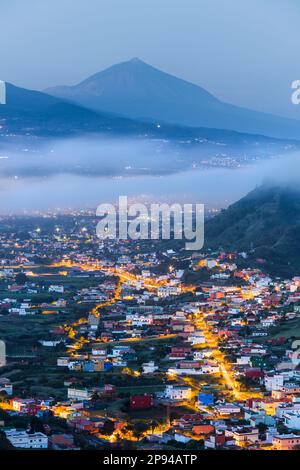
<point>49,343</point>
<point>58,289</point>
<point>210,368</point>
<point>292,419</point>
<point>120,350</point>
<point>211,263</point>
<point>198,355</point>
<point>178,392</point>
<point>243,360</point>
<point>197,338</point>
<point>184,371</point>
<point>98,351</point>
<point>149,367</point>
<point>79,394</point>
<point>23,440</point>
<point>245,435</point>
<point>139,320</point>
<point>227,409</point>
<point>273,382</point>
<point>63,361</point>
<point>6,386</point>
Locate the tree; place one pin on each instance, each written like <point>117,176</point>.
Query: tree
<point>4,311</point>
<point>262,428</point>
<point>4,397</point>
<point>108,428</point>
<point>154,424</point>
<point>5,443</point>
<point>36,425</point>
<point>21,279</point>
<point>195,445</point>
<point>140,427</point>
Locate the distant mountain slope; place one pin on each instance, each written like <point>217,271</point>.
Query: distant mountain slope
<point>138,90</point>
<point>18,98</point>
<point>266,221</point>
<point>41,114</point>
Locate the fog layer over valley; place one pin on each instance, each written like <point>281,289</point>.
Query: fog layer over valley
<point>83,172</point>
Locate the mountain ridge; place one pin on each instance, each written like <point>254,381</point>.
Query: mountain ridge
<point>24,104</point>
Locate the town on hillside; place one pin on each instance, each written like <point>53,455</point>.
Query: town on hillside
<point>122,344</point>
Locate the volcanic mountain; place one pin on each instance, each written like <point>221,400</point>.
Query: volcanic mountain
<point>140,91</point>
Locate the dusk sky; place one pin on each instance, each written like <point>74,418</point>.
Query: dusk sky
<point>243,51</point>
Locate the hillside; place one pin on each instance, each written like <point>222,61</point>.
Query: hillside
<point>265,223</point>
<point>36,113</point>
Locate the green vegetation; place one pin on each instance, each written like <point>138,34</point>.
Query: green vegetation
<point>266,223</point>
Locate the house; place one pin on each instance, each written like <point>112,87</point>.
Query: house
<point>62,442</point>
<point>63,361</point>
<point>149,367</point>
<point>197,338</point>
<point>245,435</point>
<point>253,373</point>
<point>198,355</point>
<point>107,391</point>
<point>24,440</point>
<point>49,343</point>
<point>184,371</point>
<point>79,394</point>
<point>286,441</point>
<point>203,429</point>
<point>243,360</point>
<point>119,351</point>
<point>182,438</point>
<point>67,411</point>
<point>215,440</point>
<point>99,351</point>
<point>58,289</point>
<point>6,386</point>
<point>205,399</point>
<point>20,404</point>
<point>210,368</point>
<point>81,424</point>
<point>292,419</point>
<point>167,291</point>
<point>210,263</point>
<point>274,382</point>
<point>178,392</point>
<point>93,321</point>
<point>227,409</point>
<point>291,389</point>
<point>141,402</point>
<point>180,352</point>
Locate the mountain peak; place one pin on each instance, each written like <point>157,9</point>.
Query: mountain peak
<point>136,60</point>
<point>139,90</point>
